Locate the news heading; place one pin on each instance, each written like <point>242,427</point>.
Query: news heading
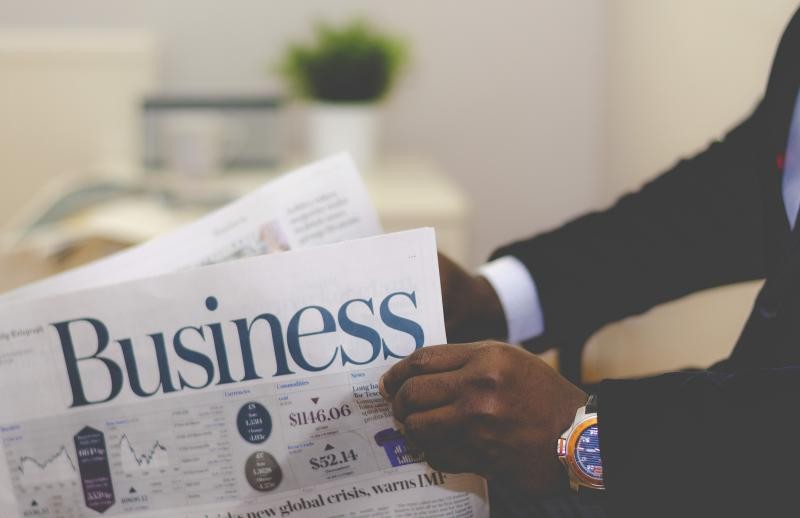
<point>216,367</point>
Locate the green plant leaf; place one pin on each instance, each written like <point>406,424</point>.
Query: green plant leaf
<point>351,63</point>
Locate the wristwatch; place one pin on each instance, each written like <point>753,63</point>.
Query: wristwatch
<point>579,450</point>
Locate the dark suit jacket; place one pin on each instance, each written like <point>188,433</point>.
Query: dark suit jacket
<point>723,440</point>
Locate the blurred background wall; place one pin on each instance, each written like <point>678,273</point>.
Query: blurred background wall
<point>504,93</point>
<point>680,74</point>
<point>538,109</point>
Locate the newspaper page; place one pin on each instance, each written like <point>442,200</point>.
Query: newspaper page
<point>321,203</point>
<point>242,389</point>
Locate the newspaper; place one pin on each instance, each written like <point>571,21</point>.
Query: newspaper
<point>242,389</point>
<point>321,203</point>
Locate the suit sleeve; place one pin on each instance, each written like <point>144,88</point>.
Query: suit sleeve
<point>699,225</point>
<point>701,444</point>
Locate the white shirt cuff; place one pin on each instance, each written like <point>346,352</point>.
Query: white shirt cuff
<point>518,295</point>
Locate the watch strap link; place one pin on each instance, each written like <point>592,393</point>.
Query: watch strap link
<point>591,404</point>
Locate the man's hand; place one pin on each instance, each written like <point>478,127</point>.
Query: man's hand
<point>485,408</point>
<point>472,310</point>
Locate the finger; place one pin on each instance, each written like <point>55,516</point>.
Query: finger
<point>435,432</point>
<point>451,279</point>
<point>451,459</point>
<point>437,428</point>
<point>447,270</point>
<point>445,264</point>
<point>425,392</point>
<point>428,360</point>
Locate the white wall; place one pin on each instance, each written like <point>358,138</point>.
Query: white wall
<point>505,94</point>
<point>680,73</point>
<point>69,106</point>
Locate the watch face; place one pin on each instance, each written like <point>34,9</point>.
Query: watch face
<point>587,453</point>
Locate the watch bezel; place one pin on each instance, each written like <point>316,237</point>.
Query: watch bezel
<point>584,478</point>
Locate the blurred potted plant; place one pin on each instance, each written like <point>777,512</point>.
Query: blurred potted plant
<point>345,72</point>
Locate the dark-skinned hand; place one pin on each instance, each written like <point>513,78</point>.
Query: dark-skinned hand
<point>486,408</point>
<point>472,310</point>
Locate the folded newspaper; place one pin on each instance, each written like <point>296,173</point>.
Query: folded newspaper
<point>241,389</point>
<point>321,203</point>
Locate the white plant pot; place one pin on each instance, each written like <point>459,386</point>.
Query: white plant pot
<point>351,127</point>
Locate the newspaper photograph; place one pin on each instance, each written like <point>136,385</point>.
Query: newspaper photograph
<point>321,203</point>
<point>241,389</point>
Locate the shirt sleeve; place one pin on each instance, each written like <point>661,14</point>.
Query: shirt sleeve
<point>518,296</point>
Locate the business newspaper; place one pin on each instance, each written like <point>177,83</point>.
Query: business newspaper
<point>242,389</point>
<point>321,203</point>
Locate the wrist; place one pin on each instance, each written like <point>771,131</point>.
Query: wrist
<point>489,310</point>
<point>515,290</point>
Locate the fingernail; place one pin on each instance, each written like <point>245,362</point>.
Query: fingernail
<point>382,390</point>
